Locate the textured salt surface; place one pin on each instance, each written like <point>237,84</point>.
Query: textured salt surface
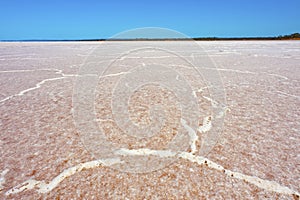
<point>256,157</point>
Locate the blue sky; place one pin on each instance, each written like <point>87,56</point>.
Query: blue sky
<point>38,19</point>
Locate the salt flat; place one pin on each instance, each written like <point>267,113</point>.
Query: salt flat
<point>49,148</point>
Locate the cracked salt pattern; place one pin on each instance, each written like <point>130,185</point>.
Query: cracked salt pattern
<point>257,156</point>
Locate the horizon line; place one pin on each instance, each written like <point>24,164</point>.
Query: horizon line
<point>294,36</point>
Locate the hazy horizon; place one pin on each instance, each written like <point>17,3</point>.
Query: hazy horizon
<point>150,38</point>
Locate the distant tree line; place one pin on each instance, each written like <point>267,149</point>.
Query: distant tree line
<point>291,36</point>
<point>294,36</point>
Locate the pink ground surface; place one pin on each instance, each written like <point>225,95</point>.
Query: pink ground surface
<point>256,157</point>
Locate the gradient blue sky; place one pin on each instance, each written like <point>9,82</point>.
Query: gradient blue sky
<point>38,19</point>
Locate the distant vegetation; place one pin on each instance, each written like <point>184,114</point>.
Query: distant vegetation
<point>294,36</point>
<point>291,36</point>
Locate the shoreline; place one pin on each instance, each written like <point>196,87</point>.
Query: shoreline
<point>161,40</point>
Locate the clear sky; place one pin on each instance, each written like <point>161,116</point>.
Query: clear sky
<point>86,19</point>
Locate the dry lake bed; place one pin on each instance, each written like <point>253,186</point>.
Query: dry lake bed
<point>150,120</point>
